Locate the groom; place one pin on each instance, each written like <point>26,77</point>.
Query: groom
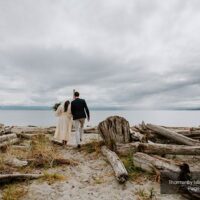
<point>79,111</point>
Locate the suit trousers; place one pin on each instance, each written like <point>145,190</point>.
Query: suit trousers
<point>79,124</point>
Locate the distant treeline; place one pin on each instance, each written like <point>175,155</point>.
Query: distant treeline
<point>25,108</point>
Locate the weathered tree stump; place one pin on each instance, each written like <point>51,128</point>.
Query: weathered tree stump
<point>114,130</point>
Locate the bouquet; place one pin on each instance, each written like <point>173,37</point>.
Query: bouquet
<point>55,107</point>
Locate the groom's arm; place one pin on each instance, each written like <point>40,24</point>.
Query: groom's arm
<point>87,110</point>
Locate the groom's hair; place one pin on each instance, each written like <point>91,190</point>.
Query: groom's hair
<point>76,94</point>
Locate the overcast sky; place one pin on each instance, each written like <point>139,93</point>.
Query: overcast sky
<point>121,54</point>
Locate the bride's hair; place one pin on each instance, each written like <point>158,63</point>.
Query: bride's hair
<point>66,106</point>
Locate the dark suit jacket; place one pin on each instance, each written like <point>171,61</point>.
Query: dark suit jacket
<point>79,109</point>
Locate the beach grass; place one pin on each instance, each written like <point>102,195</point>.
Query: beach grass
<point>52,178</point>
<point>94,146</point>
<point>143,194</point>
<point>135,174</point>
<point>14,192</point>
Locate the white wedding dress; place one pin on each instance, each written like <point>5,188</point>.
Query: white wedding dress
<point>64,126</point>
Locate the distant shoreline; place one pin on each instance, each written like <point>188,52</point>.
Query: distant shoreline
<point>48,108</point>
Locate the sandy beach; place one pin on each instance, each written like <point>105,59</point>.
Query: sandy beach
<point>91,179</point>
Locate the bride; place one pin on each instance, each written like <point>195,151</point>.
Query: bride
<point>64,126</point>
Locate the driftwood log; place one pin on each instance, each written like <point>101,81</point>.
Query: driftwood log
<point>7,178</point>
<point>136,136</point>
<point>159,149</point>
<point>20,147</point>
<point>32,130</point>
<point>7,137</point>
<point>182,128</point>
<point>28,136</point>
<point>4,129</point>
<point>173,135</point>
<point>9,142</point>
<point>152,164</point>
<point>1,129</point>
<point>15,162</point>
<point>193,132</point>
<point>117,165</point>
<point>90,130</point>
<point>114,130</point>
<point>189,133</point>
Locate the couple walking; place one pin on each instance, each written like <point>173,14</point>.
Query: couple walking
<point>67,112</point>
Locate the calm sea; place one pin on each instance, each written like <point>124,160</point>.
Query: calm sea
<point>47,118</point>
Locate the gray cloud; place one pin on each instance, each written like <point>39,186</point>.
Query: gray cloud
<point>134,54</point>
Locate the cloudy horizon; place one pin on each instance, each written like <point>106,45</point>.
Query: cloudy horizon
<point>137,54</point>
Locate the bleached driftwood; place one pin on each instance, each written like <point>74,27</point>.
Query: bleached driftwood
<point>7,178</point>
<point>151,164</point>
<point>7,137</point>
<point>28,136</point>
<point>55,141</point>
<point>114,130</point>
<point>159,149</point>
<point>5,130</point>
<point>9,142</point>
<point>186,131</point>
<point>173,135</point>
<point>117,165</point>
<point>189,133</point>
<point>90,130</point>
<point>136,136</point>
<point>20,147</point>
<point>32,130</point>
<point>15,162</point>
<point>182,128</point>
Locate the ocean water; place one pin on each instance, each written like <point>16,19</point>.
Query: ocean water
<point>47,118</point>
